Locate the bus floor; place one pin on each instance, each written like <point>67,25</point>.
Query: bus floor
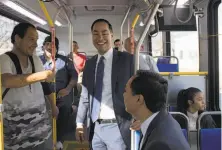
<point>70,143</point>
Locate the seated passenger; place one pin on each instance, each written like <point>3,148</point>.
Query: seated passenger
<point>191,102</point>
<point>145,99</point>
<point>147,63</point>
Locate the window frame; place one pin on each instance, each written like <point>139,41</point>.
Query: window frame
<point>213,57</point>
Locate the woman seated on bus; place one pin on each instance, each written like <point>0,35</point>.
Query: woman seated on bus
<point>191,102</point>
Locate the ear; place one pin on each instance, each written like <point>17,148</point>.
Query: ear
<point>190,102</point>
<point>141,99</point>
<point>17,38</point>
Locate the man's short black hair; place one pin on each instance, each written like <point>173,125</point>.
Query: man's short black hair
<point>153,87</point>
<point>49,39</point>
<point>102,20</point>
<point>117,40</point>
<point>75,42</point>
<point>20,30</point>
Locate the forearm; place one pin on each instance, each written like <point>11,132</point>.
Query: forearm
<point>71,84</point>
<point>17,81</point>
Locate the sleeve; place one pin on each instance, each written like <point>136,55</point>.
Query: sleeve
<point>83,103</point>
<point>6,64</point>
<point>46,88</point>
<point>158,145</point>
<point>143,65</point>
<point>71,70</point>
<point>152,64</point>
<point>39,67</point>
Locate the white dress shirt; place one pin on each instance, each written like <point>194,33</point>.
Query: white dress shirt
<point>145,125</point>
<point>106,108</point>
<point>192,120</point>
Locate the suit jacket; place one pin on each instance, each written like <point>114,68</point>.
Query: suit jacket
<point>122,70</point>
<point>164,133</point>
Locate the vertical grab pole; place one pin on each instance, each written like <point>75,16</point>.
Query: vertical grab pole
<point>70,31</point>
<point>70,26</point>
<point>52,29</point>
<point>121,27</point>
<point>1,116</point>
<point>133,135</point>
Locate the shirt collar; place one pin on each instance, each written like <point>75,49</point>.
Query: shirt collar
<point>107,55</point>
<point>146,123</point>
<point>194,115</point>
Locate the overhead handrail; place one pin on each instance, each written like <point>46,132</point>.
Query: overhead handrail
<point>121,27</point>
<point>1,117</point>
<point>52,28</point>
<point>199,123</point>
<point>143,35</point>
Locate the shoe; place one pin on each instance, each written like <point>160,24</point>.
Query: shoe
<point>59,146</point>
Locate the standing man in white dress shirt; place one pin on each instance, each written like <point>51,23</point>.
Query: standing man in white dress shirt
<point>104,79</point>
<point>145,98</point>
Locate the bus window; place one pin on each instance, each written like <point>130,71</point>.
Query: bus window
<point>157,44</point>
<point>6,28</point>
<point>185,46</point>
<point>220,50</point>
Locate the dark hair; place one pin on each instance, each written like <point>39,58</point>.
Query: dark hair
<point>117,40</point>
<point>49,39</point>
<point>183,96</point>
<point>102,20</point>
<point>20,30</point>
<point>75,42</point>
<point>153,87</point>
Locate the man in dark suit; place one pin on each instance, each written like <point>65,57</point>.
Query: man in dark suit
<point>104,79</point>
<point>145,98</point>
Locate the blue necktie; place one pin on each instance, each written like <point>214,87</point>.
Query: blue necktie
<point>97,97</point>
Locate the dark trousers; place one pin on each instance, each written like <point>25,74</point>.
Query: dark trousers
<point>64,122</point>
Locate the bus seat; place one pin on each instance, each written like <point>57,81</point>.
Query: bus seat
<point>163,60</point>
<point>168,67</point>
<point>210,139</point>
<point>172,108</point>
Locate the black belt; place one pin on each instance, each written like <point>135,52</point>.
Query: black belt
<point>105,121</point>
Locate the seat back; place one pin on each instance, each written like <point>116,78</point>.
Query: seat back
<point>164,65</point>
<point>172,108</point>
<point>184,129</point>
<point>210,139</point>
<point>168,67</point>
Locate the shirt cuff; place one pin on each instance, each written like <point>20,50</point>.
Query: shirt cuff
<point>79,125</point>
